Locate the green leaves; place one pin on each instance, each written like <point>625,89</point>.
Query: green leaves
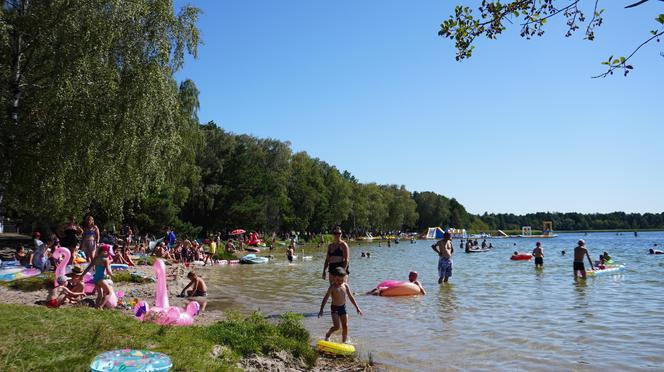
<point>660,18</point>
<point>99,122</point>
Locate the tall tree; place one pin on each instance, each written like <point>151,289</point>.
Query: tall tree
<point>91,111</point>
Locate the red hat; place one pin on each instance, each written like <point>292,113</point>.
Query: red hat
<point>36,234</point>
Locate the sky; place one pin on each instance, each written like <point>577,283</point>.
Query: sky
<point>369,87</point>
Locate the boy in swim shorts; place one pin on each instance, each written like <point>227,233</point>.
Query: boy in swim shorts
<point>338,290</point>
<point>199,288</point>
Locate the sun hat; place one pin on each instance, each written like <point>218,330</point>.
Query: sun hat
<point>77,270</point>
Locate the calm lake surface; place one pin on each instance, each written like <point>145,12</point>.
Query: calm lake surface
<point>495,314</point>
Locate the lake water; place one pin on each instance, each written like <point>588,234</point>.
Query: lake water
<point>494,314</point>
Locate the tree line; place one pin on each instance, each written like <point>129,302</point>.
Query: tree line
<point>576,221</point>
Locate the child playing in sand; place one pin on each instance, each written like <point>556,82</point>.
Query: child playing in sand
<point>73,290</point>
<point>102,264</point>
<point>338,290</point>
<point>199,288</point>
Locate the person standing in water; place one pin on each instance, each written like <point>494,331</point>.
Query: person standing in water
<point>538,253</point>
<point>579,252</point>
<point>445,250</point>
<point>337,254</point>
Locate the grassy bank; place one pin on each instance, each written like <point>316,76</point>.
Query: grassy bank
<point>38,338</point>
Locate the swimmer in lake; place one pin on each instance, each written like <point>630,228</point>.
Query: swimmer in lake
<point>412,277</point>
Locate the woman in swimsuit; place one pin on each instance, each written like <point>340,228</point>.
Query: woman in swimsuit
<point>337,254</point>
<point>90,238</point>
<point>69,234</point>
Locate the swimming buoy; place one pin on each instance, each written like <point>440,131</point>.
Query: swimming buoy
<point>521,257</point>
<point>251,249</point>
<point>393,288</point>
<point>119,266</point>
<point>335,348</point>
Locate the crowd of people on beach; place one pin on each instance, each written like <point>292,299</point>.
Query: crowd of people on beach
<point>94,252</point>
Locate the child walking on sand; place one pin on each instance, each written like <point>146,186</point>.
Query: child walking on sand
<point>338,290</point>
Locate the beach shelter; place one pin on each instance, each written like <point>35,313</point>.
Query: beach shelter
<point>435,233</point>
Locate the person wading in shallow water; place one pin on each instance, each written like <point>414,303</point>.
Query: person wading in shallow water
<point>579,253</point>
<point>444,249</point>
<point>337,254</point>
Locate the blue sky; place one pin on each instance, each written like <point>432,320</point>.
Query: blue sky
<point>369,87</point>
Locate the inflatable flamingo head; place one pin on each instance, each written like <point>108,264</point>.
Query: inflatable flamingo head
<point>63,255</point>
<point>193,308</point>
<point>141,309</point>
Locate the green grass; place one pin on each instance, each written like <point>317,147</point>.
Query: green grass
<point>32,284</point>
<point>38,338</point>
<point>223,255</point>
<point>145,260</point>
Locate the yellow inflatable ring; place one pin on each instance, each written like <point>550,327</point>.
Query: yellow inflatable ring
<point>335,348</point>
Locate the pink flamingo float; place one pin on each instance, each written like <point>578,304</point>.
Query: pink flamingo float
<point>63,254</point>
<point>162,313</point>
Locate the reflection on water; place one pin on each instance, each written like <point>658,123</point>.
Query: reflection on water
<point>494,313</point>
<point>448,303</point>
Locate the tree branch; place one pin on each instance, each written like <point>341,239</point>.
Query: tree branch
<point>623,64</point>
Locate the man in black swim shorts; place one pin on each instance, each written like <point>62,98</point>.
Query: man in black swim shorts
<point>579,252</point>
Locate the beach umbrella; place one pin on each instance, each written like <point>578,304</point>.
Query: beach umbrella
<point>237,232</point>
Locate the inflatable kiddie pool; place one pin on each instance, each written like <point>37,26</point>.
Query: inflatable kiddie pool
<point>392,288</point>
<point>8,275</point>
<point>129,360</point>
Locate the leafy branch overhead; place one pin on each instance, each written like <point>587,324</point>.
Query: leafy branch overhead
<point>464,26</point>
